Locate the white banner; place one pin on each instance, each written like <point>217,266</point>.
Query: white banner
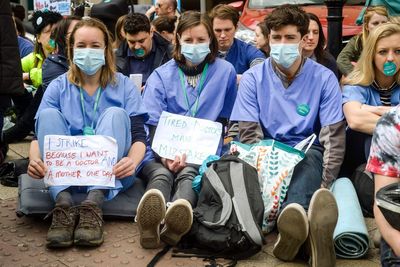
<point>61,6</point>
<point>80,160</point>
<point>177,135</point>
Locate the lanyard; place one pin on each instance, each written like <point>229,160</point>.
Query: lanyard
<point>96,104</point>
<point>199,89</point>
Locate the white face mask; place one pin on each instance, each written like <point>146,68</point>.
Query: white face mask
<point>285,54</point>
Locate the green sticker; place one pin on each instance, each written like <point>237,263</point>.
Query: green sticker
<point>303,109</point>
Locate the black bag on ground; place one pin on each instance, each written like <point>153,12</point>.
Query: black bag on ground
<point>229,213</point>
<point>363,182</point>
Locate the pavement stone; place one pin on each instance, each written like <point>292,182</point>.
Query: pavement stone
<point>22,242</point>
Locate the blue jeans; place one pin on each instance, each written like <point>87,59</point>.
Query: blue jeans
<point>388,258</point>
<point>306,179</point>
<point>112,122</point>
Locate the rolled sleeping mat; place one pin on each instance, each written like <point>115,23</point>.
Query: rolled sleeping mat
<point>388,201</point>
<point>351,234</point>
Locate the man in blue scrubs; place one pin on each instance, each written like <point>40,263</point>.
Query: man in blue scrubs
<point>240,54</point>
<point>288,98</point>
<point>144,50</point>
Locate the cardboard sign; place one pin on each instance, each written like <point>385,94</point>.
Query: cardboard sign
<point>177,135</point>
<point>80,160</point>
<point>61,6</point>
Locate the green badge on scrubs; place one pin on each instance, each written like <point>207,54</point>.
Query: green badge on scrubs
<point>303,109</point>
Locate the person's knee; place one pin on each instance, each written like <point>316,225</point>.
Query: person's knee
<point>115,112</point>
<point>48,113</point>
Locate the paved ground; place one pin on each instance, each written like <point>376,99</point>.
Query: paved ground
<point>22,242</point>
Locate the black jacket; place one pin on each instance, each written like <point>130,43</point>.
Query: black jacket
<point>163,54</point>
<point>53,66</point>
<point>10,62</point>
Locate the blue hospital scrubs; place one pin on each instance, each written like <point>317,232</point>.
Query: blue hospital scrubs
<point>242,54</point>
<point>163,92</point>
<point>60,112</point>
<point>289,115</point>
<point>368,95</point>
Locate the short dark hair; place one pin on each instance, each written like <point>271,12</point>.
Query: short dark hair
<point>20,27</point>
<point>174,4</point>
<point>135,23</point>
<point>190,19</point>
<point>165,23</point>
<point>288,15</point>
<point>224,12</point>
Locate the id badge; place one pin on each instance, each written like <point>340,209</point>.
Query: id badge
<point>88,130</point>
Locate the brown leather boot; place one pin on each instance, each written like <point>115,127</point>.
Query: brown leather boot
<point>61,231</point>
<point>89,231</point>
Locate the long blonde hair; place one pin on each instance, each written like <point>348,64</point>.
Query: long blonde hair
<point>364,72</point>
<point>108,70</point>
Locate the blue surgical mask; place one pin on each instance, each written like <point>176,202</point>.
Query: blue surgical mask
<point>89,60</point>
<point>285,54</point>
<point>139,52</point>
<point>195,53</point>
<point>389,68</point>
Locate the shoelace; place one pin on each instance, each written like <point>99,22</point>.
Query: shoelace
<point>86,219</point>
<point>61,216</point>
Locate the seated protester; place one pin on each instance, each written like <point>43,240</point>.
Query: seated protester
<point>144,49</point>
<point>370,91</point>
<point>43,22</point>
<point>348,57</point>
<point>261,38</point>
<point>91,98</point>
<point>288,98</point>
<point>165,26</point>
<point>196,84</point>
<point>384,163</point>
<point>24,44</point>
<point>119,35</point>
<point>242,55</point>
<point>315,45</point>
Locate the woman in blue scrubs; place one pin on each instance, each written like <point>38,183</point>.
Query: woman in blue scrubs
<point>370,90</point>
<point>195,84</point>
<point>91,98</point>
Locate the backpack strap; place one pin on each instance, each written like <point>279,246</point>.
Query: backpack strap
<point>224,196</point>
<point>241,203</point>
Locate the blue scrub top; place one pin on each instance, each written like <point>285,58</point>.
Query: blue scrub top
<point>65,97</point>
<point>289,115</point>
<point>163,92</point>
<point>368,95</point>
<point>25,47</point>
<point>241,55</point>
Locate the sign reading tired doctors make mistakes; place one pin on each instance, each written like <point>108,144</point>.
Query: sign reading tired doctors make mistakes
<point>177,135</point>
<point>80,160</point>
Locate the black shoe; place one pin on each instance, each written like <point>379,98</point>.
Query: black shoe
<point>61,231</point>
<point>89,231</point>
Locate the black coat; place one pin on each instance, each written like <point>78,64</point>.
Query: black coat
<point>163,54</point>
<point>10,62</point>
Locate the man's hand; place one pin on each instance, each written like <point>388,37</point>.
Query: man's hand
<point>124,168</point>
<point>36,168</point>
<point>150,11</point>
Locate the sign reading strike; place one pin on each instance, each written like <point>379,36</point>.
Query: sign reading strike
<point>177,135</point>
<point>80,160</point>
<point>61,6</point>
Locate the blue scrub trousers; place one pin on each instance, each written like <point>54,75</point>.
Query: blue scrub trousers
<point>112,122</point>
<point>388,258</point>
<point>306,179</point>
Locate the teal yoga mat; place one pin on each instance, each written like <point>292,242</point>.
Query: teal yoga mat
<point>351,234</point>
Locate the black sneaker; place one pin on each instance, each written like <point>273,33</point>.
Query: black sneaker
<point>89,231</point>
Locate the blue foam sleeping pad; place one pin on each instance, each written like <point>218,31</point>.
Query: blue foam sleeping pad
<point>351,234</point>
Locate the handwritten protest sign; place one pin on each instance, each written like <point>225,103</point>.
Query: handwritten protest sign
<point>80,160</point>
<point>177,135</point>
<point>61,6</point>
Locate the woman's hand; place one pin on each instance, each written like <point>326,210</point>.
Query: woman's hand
<point>36,168</point>
<point>175,165</point>
<point>124,168</point>
<point>25,76</point>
